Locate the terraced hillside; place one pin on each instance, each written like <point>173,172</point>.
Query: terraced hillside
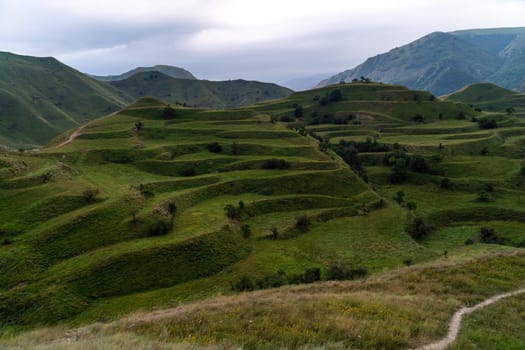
<point>158,206</point>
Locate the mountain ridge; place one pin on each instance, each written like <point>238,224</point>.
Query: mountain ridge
<point>444,62</point>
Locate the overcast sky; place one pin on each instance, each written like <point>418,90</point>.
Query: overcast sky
<point>269,40</point>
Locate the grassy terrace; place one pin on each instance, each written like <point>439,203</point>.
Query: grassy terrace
<point>156,234</point>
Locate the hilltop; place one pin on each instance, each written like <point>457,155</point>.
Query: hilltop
<point>444,62</point>
<point>41,98</point>
<point>200,93</point>
<point>158,206</point>
<point>490,97</point>
<point>171,71</point>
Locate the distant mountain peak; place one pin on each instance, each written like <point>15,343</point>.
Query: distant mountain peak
<point>171,71</point>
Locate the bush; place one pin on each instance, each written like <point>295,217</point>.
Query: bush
<point>340,270</point>
<point>90,194</point>
<point>484,197</point>
<point>245,283</point>
<point>418,229</point>
<point>469,241</point>
<point>246,231</point>
<point>232,212</point>
<point>487,123</point>
<point>158,227</point>
<point>335,95</point>
<point>188,172</point>
<point>168,113</point>
<point>275,164</point>
<point>214,147</point>
<point>274,232</point>
<point>298,112</point>
<point>445,183</point>
<point>311,275</point>
<point>302,223</point>
<point>488,235</point>
<point>411,206</point>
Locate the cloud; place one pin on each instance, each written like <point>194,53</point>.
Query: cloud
<point>222,39</point>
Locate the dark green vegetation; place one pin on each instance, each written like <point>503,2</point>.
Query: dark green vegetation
<point>158,205</point>
<point>41,98</point>
<point>174,72</point>
<point>199,93</point>
<point>491,98</point>
<point>444,62</point>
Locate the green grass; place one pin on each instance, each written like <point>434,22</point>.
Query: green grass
<point>71,262</point>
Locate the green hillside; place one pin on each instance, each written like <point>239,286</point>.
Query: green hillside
<point>174,72</point>
<point>41,98</point>
<point>200,93</point>
<point>491,98</point>
<point>419,200</point>
<point>445,62</point>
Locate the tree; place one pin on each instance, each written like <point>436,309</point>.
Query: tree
<point>445,183</point>
<point>418,229</point>
<point>275,232</point>
<point>139,126</point>
<point>298,112</point>
<point>335,95</point>
<point>399,198</point>
<point>235,148</point>
<point>411,206</point>
<point>487,123</point>
<point>489,235</point>
<point>246,231</point>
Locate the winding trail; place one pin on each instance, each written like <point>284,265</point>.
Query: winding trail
<point>71,137</point>
<point>455,322</point>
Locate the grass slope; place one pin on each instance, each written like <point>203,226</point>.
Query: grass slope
<point>386,176</point>
<point>200,93</point>
<point>41,98</point>
<point>489,97</point>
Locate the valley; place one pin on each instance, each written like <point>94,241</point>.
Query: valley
<point>357,215</point>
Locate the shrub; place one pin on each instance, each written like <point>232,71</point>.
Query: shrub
<point>188,172</point>
<point>469,241</point>
<point>408,262</point>
<point>158,227</point>
<point>139,126</point>
<point>335,95</point>
<point>311,275</point>
<point>484,197</point>
<point>399,198</point>
<point>341,270</point>
<point>411,206</point>
<point>232,212</point>
<point>487,123</point>
<point>274,232</point>
<point>90,194</point>
<point>418,229</point>
<point>489,235</point>
<point>298,112</point>
<point>245,283</point>
<point>246,231</point>
<point>302,223</point>
<point>214,147</point>
<point>275,164</point>
<point>168,113</point>
<point>445,183</point>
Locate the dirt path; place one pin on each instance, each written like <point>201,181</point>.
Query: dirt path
<point>455,322</point>
<point>71,137</point>
<point>77,131</point>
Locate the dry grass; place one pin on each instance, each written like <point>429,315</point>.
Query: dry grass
<point>395,310</point>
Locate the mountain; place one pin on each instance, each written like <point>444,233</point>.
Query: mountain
<point>445,62</point>
<point>41,98</point>
<point>199,93</point>
<point>174,72</point>
<point>489,97</point>
<point>305,83</point>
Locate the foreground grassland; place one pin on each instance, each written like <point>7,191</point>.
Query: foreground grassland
<point>130,215</point>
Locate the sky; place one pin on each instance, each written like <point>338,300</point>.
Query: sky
<point>267,40</point>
